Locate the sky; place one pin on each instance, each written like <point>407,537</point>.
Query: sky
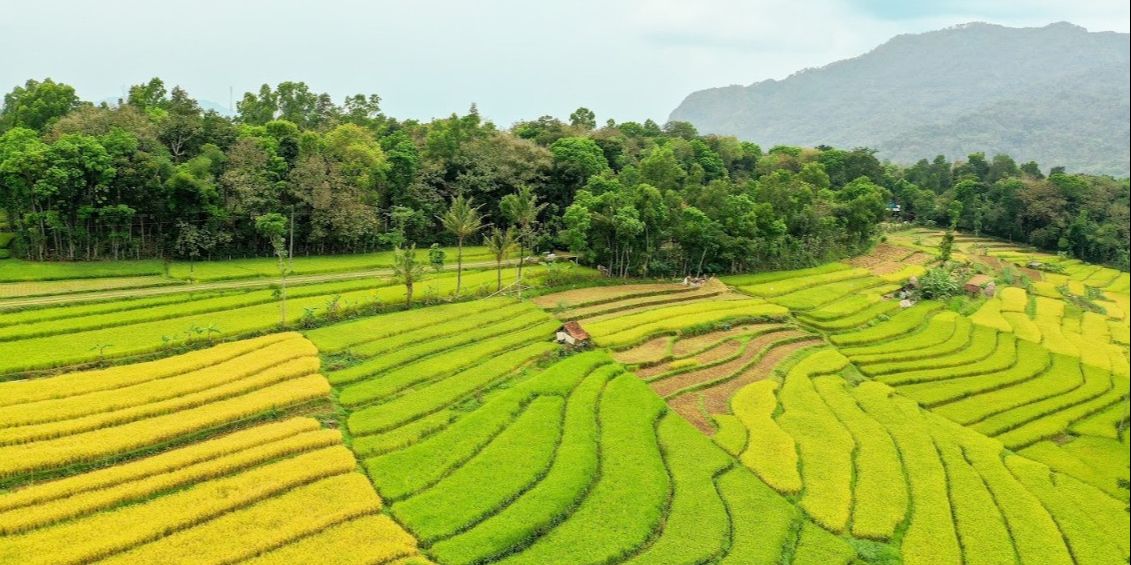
<point>516,59</point>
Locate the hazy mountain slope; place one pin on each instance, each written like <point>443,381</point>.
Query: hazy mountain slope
<point>1034,92</point>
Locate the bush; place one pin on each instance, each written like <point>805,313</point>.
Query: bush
<point>938,283</point>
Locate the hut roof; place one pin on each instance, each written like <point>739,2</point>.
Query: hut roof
<point>980,280</point>
<point>574,330</point>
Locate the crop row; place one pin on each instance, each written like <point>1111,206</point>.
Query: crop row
<point>596,295</point>
<point>1098,461</point>
<point>854,319</point>
<point>414,372</point>
<point>817,296</point>
<point>871,462</point>
<point>130,337</point>
<point>900,324</point>
<point>630,329</point>
<point>773,276</point>
<point>128,411</point>
<point>635,304</point>
<point>83,382</point>
<point>249,494</point>
<point>89,496</point>
<point>381,355</point>
<point>101,414</point>
<point>782,287</point>
<point>64,319</point>
<point>521,472</point>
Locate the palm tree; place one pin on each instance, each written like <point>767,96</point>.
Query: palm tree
<point>462,220</point>
<point>407,270</point>
<point>522,209</point>
<point>499,243</point>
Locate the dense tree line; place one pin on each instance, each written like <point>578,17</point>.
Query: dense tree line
<point>157,176</point>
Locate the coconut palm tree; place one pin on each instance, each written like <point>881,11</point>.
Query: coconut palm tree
<point>462,220</point>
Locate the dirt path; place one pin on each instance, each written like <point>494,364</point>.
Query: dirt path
<point>240,284</point>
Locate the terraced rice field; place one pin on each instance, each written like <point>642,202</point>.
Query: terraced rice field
<point>203,457</point>
<point>950,438</point>
<point>489,447</point>
<point>44,338</point>
<point>772,418</point>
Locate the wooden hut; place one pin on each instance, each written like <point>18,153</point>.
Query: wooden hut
<point>979,284</point>
<point>571,333</point>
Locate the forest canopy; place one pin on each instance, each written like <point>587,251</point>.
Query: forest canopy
<point>158,176</point>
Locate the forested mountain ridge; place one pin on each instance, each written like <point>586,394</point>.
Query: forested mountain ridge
<point>1056,94</point>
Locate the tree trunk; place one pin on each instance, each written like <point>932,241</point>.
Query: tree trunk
<point>408,295</point>
<point>283,303</point>
<point>459,265</point>
<point>499,274</point>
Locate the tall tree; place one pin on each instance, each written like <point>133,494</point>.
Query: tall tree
<point>522,209</point>
<point>35,105</point>
<point>273,226</point>
<point>500,242</point>
<point>462,220</point>
<point>407,270</point>
<point>583,118</point>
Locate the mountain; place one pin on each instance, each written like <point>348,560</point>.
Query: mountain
<point>1058,95</point>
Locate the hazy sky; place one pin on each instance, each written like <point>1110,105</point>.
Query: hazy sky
<point>626,59</point>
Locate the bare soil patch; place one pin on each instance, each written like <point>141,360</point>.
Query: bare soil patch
<point>717,352</point>
<point>722,370</point>
<point>688,407</point>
